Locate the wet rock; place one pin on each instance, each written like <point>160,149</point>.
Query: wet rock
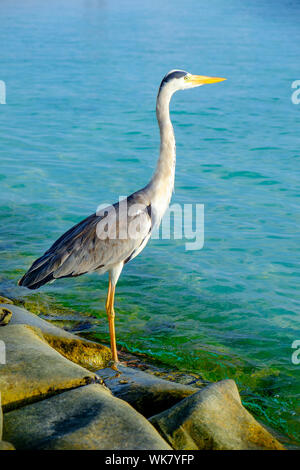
<point>147,393</point>
<point>33,369</point>
<point>159,370</point>
<point>83,352</point>
<point>87,418</point>
<point>213,418</point>
<point>183,378</point>
<point>5,316</point>
<point>5,300</point>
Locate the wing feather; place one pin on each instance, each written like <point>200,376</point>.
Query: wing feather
<point>100,241</point>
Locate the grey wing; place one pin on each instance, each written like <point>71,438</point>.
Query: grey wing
<point>115,234</point>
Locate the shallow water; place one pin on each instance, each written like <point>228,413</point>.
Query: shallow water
<point>79,129</point>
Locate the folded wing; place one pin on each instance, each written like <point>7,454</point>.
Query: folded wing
<point>115,234</point>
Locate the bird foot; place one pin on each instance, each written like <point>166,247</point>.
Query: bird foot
<point>114,366</point>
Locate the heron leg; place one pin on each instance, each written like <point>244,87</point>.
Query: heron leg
<point>111,322</point>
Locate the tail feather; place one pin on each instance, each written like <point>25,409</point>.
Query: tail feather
<point>41,272</point>
<point>47,268</point>
<point>63,258</point>
<point>29,281</point>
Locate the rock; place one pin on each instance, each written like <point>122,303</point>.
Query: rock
<point>213,418</point>
<point>83,352</point>
<point>5,316</point>
<point>87,418</point>
<point>5,300</point>
<point>1,419</point>
<point>147,393</point>
<point>33,369</point>
<point>183,378</point>
<point>6,446</point>
<point>3,445</point>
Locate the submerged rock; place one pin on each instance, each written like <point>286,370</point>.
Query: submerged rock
<point>83,352</point>
<point>213,418</point>
<point>147,393</point>
<point>5,316</point>
<point>88,418</point>
<point>33,369</point>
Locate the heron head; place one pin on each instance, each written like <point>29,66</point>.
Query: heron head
<point>181,80</point>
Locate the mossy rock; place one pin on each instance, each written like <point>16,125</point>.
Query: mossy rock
<point>213,419</point>
<point>5,316</point>
<point>5,300</point>
<point>86,353</point>
<point>33,369</point>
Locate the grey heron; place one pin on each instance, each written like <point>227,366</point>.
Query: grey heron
<point>108,239</point>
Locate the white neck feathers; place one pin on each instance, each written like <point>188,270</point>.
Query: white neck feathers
<point>162,182</point>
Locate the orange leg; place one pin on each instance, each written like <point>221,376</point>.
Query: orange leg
<point>111,322</point>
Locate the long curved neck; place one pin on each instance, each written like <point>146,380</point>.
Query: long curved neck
<point>162,182</point>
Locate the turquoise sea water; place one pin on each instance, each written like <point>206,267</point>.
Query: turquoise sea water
<point>79,128</point>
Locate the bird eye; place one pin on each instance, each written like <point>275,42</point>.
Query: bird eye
<point>186,77</point>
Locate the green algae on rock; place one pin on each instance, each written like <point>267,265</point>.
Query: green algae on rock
<point>5,300</point>
<point>5,316</point>
<point>33,369</point>
<point>213,419</point>
<point>81,351</point>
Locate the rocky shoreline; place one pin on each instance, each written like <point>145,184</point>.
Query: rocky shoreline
<point>58,392</point>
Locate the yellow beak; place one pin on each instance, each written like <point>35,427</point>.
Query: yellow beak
<point>203,80</point>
